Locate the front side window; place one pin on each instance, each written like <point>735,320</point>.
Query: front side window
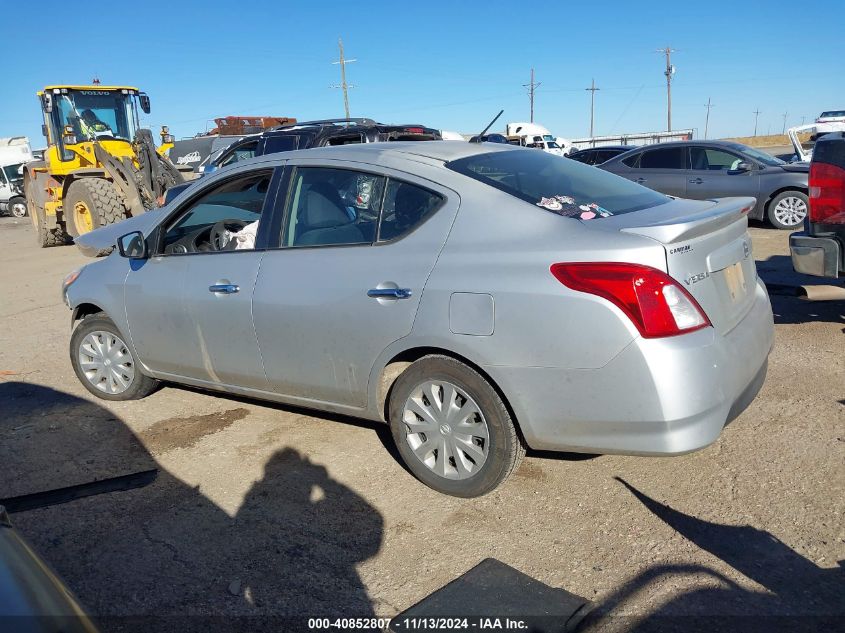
<point>710,159</point>
<point>561,186</point>
<point>664,158</point>
<point>332,207</point>
<point>244,152</point>
<point>223,219</point>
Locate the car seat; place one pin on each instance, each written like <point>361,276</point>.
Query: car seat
<point>325,219</point>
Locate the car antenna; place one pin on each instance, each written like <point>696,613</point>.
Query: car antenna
<point>489,125</point>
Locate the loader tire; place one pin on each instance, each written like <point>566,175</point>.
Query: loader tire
<point>48,237</point>
<point>91,203</point>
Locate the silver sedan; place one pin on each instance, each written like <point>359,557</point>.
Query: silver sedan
<point>480,299</point>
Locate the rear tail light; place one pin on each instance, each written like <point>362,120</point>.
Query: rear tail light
<point>655,303</point>
<point>827,194</point>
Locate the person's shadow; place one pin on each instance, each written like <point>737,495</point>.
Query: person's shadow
<point>165,557</point>
<point>799,595</point>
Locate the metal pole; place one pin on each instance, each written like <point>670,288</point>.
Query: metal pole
<point>668,72</point>
<point>756,114</point>
<point>785,114</point>
<point>531,86</point>
<point>707,120</point>
<point>343,85</point>
<point>592,90</point>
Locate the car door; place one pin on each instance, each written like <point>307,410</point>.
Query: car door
<point>356,250</point>
<point>662,169</point>
<point>189,305</point>
<point>714,174</point>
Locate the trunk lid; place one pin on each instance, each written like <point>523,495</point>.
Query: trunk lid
<point>708,251</point>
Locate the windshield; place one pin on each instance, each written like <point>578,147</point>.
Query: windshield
<point>97,114</point>
<point>832,113</point>
<point>763,157</point>
<point>11,172</point>
<point>565,187</point>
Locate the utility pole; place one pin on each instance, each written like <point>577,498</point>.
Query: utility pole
<point>531,87</point>
<point>803,118</point>
<point>756,114</point>
<point>345,86</point>
<point>785,114</point>
<point>592,90</point>
<point>670,70</point>
<point>707,120</point>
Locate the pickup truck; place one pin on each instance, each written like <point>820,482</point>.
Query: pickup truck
<point>820,248</point>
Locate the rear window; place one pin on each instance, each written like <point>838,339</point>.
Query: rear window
<point>565,187</point>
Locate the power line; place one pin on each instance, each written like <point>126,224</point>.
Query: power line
<point>756,115</point>
<point>342,61</point>
<point>531,88</point>
<point>670,70</point>
<point>592,90</point>
<point>707,120</point>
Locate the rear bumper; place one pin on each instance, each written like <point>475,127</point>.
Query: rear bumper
<point>657,397</point>
<point>818,256</point>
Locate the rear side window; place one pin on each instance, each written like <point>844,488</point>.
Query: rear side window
<point>565,187</point>
<point>664,158</point>
<point>406,206</point>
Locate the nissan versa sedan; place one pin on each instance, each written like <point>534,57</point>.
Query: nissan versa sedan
<point>714,169</point>
<point>479,298</point>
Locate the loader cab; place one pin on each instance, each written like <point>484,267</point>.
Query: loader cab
<point>78,114</point>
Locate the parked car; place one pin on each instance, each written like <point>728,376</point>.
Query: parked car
<point>598,155</point>
<point>701,170</point>
<point>832,116</point>
<point>476,296</point>
<point>489,138</point>
<point>307,134</point>
<point>820,249</point>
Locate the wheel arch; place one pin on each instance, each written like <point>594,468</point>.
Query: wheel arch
<point>774,194</point>
<point>79,174</point>
<point>401,360</point>
<point>83,310</point>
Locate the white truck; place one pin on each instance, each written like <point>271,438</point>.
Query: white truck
<point>534,135</point>
<point>14,152</point>
<point>804,154</point>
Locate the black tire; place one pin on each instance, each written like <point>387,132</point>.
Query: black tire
<point>505,450</point>
<point>139,385</point>
<point>48,237</point>
<point>784,195</point>
<point>102,199</point>
<point>17,207</point>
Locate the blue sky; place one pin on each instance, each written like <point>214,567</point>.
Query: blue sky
<point>450,65</point>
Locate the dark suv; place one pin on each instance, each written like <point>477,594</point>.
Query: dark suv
<point>820,249</point>
<point>307,134</point>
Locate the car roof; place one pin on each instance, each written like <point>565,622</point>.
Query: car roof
<point>441,151</point>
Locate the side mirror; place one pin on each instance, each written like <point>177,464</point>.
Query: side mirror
<point>742,167</point>
<point>145,102</point>
<point>44,130</point>
<point>132,245</point>
<point>47,102</point>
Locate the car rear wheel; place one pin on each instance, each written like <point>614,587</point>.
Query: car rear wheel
<point>452,428</point>
<point>104,363</point>
<point>787,210</point>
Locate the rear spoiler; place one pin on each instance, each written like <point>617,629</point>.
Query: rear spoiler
<point>683,226</point>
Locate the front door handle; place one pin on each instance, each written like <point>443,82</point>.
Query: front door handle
<point>695,181</point>
<point>224,289</point>
<point>389,293</point>
<point>641,180</point>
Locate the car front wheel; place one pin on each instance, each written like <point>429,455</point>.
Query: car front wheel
<point>787,210</point>
<point>452,428</point>
<point>104,363</point>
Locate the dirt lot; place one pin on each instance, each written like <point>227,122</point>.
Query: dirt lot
<point>268,510</point>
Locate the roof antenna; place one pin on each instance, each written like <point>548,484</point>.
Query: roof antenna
<point>489,125</point>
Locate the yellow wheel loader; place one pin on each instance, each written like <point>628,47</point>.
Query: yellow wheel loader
<point>99,166</point>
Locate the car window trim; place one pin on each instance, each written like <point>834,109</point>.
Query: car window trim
<point>156,239</point>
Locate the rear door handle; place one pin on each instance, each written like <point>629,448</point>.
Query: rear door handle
<point>641,180</point>
<point>389,293</point>
<point>224,289</point>
<point>695,181</point>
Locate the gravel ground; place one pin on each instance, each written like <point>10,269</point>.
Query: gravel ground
<point>261,509</point>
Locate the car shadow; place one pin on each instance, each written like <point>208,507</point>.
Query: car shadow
<point>798,595</point>
<point>785,291</point>
<point>165,557</point>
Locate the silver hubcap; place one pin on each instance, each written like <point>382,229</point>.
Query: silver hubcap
<point>446,430</point>
<point>106,362</point>
<point>19,209</point>
<point>791,211</point>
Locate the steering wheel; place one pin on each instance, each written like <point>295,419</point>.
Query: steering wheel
<point>218,237</point>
